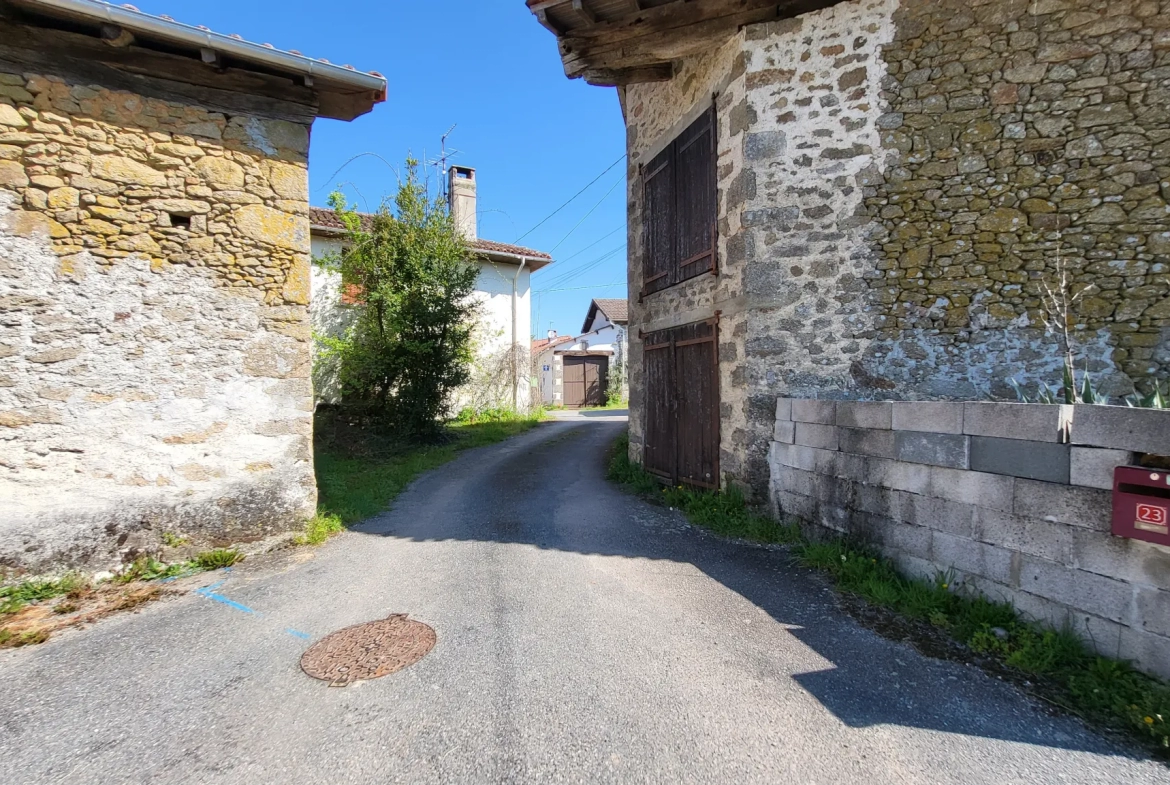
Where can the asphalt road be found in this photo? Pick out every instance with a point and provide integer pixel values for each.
(583, 636)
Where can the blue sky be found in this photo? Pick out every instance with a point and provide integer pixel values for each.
(534, 137)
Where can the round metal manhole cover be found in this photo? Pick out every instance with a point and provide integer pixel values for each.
(369, 650)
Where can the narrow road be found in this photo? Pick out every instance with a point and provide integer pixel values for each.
(583, 636)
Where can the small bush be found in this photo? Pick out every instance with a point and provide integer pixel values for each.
(218, 558)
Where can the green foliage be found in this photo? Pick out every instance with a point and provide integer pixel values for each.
(614, 397)
(173, 540)
(723, 512)
(1068, 392)
(218, 558)
(15, 597)
(470, 416)
(410, 345)
(356, 481)
(147, 568)
(320, 528)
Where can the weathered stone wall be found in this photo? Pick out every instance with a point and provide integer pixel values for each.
(1015, 499)
(1021, 136)
(154, 361)
(898, 181)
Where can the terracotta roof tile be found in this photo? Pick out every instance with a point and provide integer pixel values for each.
(323, 218)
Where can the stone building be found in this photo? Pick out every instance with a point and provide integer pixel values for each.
(154, 281)
(889, 184)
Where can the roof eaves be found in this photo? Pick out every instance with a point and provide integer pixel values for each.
(133, 20)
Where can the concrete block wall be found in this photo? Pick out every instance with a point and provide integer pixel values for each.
(1016, 499)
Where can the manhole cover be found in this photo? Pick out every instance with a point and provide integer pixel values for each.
(368, 651)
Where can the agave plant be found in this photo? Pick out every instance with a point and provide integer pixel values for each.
(1155, 400)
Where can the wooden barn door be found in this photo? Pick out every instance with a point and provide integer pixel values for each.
(596, 378)
(573, 382)
(682, 404)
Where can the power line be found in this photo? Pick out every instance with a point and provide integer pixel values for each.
(570, 275)
(586, 248)
(579, 288)
(591, 210)
(571, 199)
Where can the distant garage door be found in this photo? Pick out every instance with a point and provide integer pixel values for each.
(585, 380)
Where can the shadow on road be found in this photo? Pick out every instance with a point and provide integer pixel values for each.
(548, 489)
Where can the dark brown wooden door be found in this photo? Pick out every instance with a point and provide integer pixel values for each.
(682, 404)
(585, 380)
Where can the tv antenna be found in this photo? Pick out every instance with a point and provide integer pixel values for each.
(440, 163)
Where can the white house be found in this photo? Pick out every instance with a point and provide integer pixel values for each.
(500, 375)
(576, 372)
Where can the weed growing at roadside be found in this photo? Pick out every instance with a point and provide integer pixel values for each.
(15, 597)
(218, 558)
(319, 528)
(724, 512)
(148, 568)
(172, 540)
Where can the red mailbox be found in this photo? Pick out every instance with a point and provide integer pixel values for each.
(1141, 504)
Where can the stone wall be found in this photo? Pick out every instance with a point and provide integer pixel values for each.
(1020, 137)
(1014, 498)
(899, 179)
(154, 361)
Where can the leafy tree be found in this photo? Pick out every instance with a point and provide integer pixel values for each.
(409, 347)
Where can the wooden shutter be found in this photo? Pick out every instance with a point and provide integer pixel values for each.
(658, 222)
(679, 208)
(695, 198)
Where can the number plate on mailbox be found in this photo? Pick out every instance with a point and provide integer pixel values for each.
(1141, 504)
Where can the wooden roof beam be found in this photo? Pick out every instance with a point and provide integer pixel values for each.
(620, 77)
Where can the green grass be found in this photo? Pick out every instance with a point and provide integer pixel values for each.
(357, 484)
(724, 513)
(1107, 692)
(218, 559)
(17, 596)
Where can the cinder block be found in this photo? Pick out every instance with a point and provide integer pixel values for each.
(1124, 559)
(912, 477)
(1077, 589)
(1090, 508)
(993, 491)
(1122, 428)
(1093, 467)
(1041, 609)
(903, 538)
(816, 435)
(863, 441)
(792, 456)
(785, 431)
(796, 481)
(1020, 458)
(852, 467)
(865, 414)
(1150, 652)
(874, 499)
(952, 517)
(836, 492)
(912, 566)
(794, 505)
(1050, 541)
(811, 410)
(1037, 422)
(1102, 635)
(936, 449)
(783, 408)
(929, 416)
(1151, 610)
(973, 558)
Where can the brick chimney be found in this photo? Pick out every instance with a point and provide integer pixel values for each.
(461, 199)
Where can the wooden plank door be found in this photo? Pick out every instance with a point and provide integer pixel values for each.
(573, 382)
(682, 404)
(595, 380)
(659, 430)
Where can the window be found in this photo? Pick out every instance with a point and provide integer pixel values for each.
(679, 208)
